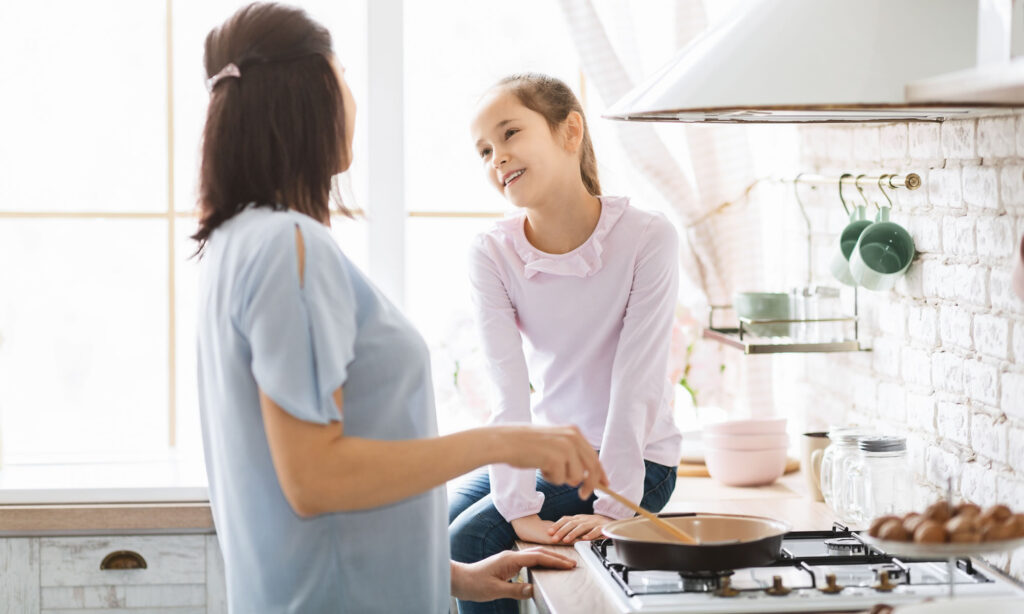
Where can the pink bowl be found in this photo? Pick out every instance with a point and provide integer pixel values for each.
(746, 442)
(747, 427)
(1018, 272)
(745, 467)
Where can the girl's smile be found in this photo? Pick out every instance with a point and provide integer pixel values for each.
(511, 177)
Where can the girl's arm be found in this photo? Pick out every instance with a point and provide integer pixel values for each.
(321, 470)
(514, 491)
(639, 383)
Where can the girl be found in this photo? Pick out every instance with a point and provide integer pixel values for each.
(589, 283)
(317, 411)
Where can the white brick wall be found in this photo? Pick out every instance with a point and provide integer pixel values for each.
(996, 237)
(947, 366)
(981, 186)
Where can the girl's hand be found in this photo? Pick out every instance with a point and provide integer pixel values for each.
(533, 529)
(569, 529)
(489, 579)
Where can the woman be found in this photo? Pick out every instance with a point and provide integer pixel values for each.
(318, 420)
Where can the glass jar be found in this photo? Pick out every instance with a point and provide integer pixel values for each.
(798, 300)
(879, 481)
(835, 463)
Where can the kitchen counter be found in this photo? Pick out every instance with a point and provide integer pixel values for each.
(567, 592)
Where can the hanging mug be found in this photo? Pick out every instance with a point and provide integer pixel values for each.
(840, 265)
(882, 255)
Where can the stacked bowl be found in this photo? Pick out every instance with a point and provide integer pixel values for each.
(746, 452)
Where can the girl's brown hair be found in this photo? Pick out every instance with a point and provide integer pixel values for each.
(553, 99)
(276, 135)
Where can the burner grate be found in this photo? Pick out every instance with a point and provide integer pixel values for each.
(804, 552)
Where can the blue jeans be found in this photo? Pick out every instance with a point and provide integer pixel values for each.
(477, 530)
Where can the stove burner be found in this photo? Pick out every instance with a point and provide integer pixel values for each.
(704, 581)
(846, 546)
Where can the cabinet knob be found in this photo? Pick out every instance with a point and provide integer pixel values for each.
(123, 559)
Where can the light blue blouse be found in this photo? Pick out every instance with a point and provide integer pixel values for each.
(259, 328)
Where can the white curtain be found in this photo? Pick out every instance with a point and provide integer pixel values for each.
(694, 169)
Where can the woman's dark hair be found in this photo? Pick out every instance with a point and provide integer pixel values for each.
(276, 134)
(553, 99)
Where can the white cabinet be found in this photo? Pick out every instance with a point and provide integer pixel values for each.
(128, 574)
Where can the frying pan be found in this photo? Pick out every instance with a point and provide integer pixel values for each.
(728, 541)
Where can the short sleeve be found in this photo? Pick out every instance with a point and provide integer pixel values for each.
(301, 332)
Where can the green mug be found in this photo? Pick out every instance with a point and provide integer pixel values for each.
(840, 265)
(882, 255)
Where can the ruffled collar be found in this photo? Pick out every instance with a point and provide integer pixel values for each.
(583, 261)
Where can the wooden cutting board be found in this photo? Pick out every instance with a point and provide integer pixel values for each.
(700, 470)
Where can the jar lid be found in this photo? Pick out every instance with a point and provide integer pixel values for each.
(849, 436)
(885, 443)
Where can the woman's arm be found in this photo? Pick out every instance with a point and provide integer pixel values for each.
(321, 470)
(640, 366)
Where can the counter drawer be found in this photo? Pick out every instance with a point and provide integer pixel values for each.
(130, 560)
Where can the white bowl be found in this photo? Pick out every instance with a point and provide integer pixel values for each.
(747, 427)
(745, 467)
(730, 441)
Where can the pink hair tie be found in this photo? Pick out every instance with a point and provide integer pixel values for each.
(231, 70)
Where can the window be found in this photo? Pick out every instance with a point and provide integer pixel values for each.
(454, 51)
(99, 163)
(98, 187)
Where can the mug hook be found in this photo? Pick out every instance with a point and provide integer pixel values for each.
(807, 222)
(856, 184)
(841, 199)
(882, 189)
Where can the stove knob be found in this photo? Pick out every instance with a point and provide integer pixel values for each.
(884, 584)
(832, 588)
(777, 589)
(726, 589)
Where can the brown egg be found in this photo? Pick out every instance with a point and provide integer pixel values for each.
(997, 512)
(877, 523)
(930, 532)
(892, 530)
(967, 508)
(912, 521)
(962, 524)
(999, 530)
(965, 537)
(939, 511)
(1018, 520)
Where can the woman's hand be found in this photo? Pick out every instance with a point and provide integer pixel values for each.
(533, 529)
(561, 453)
(570, 529)
(489, 579)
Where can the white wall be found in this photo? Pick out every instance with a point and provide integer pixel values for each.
(948, 362)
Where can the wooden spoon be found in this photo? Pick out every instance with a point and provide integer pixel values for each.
(658, 523)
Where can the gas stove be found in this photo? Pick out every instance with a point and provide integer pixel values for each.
(819, 571)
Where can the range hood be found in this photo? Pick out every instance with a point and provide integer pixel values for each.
(794, 61)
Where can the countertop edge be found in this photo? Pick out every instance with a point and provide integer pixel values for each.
(105, 519)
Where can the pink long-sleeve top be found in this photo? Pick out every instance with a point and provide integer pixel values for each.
(590, 330)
